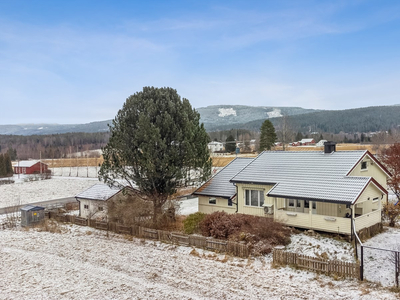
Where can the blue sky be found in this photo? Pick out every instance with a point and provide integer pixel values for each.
(77, 61)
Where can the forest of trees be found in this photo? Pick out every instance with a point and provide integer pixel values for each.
(51, 146)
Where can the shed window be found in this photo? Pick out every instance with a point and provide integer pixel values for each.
(254, 198)
(291, 203)
(306, 204)
(229, 202)
(363, 165)
(100, 208)
(212, 201)
(86, 206)
(375, 199)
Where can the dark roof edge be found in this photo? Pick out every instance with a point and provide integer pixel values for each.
(252, 182)
(214, 195)
(311, 199)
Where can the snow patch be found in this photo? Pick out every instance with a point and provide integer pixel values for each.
(224, 112)
(275, 113)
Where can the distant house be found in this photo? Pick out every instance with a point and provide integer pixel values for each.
(93, 201)
(30, 167)
(305, 142)
(320, 190)
(321, 143)
(215, 146)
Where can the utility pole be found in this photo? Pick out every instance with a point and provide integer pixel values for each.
(40, 161)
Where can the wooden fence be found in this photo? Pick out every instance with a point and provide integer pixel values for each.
(316, 264)
(176, 238)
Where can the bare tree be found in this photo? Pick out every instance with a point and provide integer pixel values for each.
(285, 131)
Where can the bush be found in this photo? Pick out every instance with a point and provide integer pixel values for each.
(391, 212)
(191, 223)
(261, 234)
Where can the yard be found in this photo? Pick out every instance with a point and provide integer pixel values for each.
(83, 263)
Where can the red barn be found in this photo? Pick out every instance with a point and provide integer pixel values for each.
(30, 167)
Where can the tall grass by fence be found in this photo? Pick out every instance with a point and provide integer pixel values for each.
(341, 268)
(233, 248)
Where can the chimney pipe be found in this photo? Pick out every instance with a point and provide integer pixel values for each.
(329, 147)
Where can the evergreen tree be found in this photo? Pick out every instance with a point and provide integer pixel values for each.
(299, 136)
(12, 153)
(8, 165)
(3, 171)
(155, 141)
(268, 136)
(230, 144)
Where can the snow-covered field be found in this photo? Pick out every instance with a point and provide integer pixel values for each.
(83, 263)
(22, 192)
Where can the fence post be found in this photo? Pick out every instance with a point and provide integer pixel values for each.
(362, 264)
(396, 261)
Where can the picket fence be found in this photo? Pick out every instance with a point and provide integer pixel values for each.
(221, 246)
(316, 264)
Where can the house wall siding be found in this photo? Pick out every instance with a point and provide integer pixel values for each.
(250, 210)
(93, 207)
(221, 205)
(365, 203)
(373, 170)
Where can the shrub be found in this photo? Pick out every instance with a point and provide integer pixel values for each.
(191, 223)
(391, 211)
(261, 234)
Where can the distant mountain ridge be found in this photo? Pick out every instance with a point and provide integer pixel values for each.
(225, 117)
(220, 115)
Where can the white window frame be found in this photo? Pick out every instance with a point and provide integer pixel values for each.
(260, 192)
(364, 163)
(210, 200)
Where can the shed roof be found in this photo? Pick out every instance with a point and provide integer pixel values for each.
(306, 140)
(220, 185)
(307, 175)
(32, 208)
(27, 163)
(101, 192)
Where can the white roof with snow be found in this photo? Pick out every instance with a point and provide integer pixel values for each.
(99, 192)
(26, 163)
(306, 141)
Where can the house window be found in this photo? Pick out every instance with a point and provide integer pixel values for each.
(363, 165)
(306, 204)
(229, 202)
(314, 205)
(212, 201)
(299, 203)
(375, 199)
(86, 206)
(254, 198)
(100, 208)
(291, 203)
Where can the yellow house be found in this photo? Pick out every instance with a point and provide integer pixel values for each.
(314, 190)
(218, 194)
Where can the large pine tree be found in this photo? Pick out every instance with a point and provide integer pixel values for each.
(156, 140)
(268, 136)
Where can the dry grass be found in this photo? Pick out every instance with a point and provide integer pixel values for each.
(222, 161)
(73, 162)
